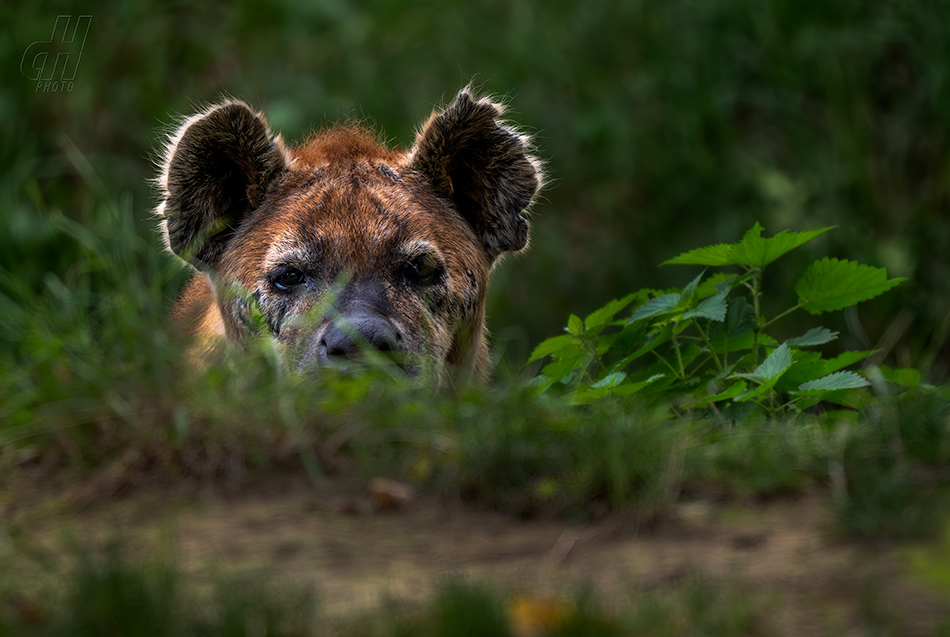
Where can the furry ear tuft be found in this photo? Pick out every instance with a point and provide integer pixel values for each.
(217, 169)
(482, 167)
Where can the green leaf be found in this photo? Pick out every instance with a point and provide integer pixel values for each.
(731, 392)
(903, 377)
(717, 255)
(690, 289)
(740, 319)
(658, 339)
(575, 325)
(627, 339)
(656, 306)
(807, 366)
(755, 251)
(776, 363)
(565, 369)
(814, 336)
(804, 400)
(713, 308)
(626, 389)
(843, 360)
(719, 282)
(830, 284)
(609, 380)
(601, 317)
(752, 250)
(552, 345)
(834, 382)
(755, 392)
(740, 343)
(772, 367)
(586, 396)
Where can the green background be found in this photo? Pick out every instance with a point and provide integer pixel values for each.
(664, 125)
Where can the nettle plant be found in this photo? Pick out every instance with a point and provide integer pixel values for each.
(706, 345)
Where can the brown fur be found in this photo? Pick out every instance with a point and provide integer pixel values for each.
(403, 242)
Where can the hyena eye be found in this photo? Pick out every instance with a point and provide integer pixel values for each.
(288, 278)
(424, 269)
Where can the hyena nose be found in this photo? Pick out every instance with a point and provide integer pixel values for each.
(374, 330)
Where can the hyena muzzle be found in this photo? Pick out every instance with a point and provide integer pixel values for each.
(340, 244)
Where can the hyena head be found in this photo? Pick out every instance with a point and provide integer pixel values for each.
(340, 244)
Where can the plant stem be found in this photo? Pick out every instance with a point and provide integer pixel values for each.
(757, 330)
(667, 363)
(785, 313)
(595, 359)
(679, 355)
(708, 343)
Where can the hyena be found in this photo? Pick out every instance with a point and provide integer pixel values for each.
(341, 244)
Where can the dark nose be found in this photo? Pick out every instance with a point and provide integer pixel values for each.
(372, 331)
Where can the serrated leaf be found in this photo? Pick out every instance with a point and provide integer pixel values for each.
(814, 336)
(772, 367)
(574, 324)
(834, 382)
(713, 308)
(586, 396)
(756, 251)
(843, 360)
(807, 366)
(830, 284)
(731, 392)
(752, 250)
(740, 319)
(740, 343)
(804, 400)
(715, 255)
(690, 288)
(658, 339)
(601, 317)
(609, 380)
(552, 345)
(565, 369)
(759, 390)
(718, 282)
(656, 306)
(627, 339)
(775, 363)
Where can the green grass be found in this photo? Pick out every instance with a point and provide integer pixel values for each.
(105, 593)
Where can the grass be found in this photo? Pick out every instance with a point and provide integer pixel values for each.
(105, 593)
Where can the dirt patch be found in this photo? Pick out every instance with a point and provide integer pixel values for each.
(330, 540)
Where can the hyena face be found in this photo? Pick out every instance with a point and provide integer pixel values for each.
(340, 244)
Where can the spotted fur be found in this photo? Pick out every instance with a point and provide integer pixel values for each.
(341, 243)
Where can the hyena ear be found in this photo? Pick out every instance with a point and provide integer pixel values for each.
(482, 167)
(217, 169)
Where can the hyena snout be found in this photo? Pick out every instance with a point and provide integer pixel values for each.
(359, 330)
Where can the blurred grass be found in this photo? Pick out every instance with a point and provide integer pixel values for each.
(103, 591)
